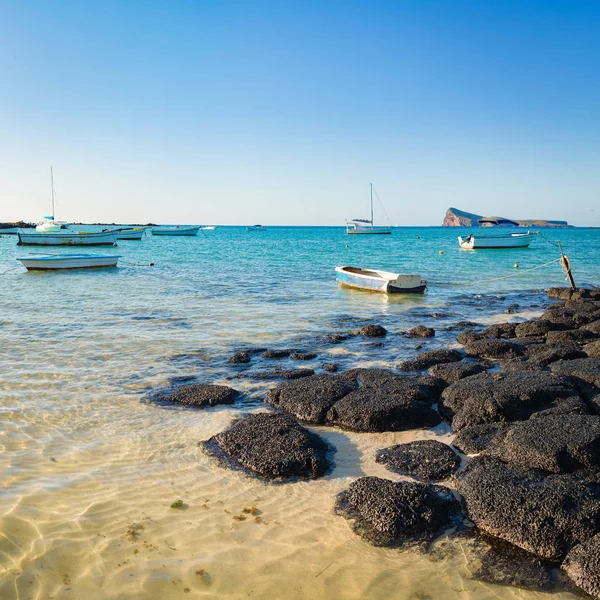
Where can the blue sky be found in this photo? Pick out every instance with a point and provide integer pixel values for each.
(283, 112)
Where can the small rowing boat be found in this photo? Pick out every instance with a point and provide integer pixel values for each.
(177, 230)
(506, 240)
(103, 238)
(380, 281)
(130, 233)
(54, 262)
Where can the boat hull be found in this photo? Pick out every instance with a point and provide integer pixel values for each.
(9, 230)
(516, 240)
(380, 281)
(107, 238)
(131, 234)
(188, 231)
(56, 262)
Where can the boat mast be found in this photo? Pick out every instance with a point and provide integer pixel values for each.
(371, 204)
(52, 186)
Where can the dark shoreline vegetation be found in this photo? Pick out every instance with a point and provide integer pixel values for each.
(518, 489)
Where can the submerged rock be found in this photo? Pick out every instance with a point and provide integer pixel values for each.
(372, 331)
(330, 367)
(276, 354)
(543, 514)
(421, 331)
(301, 355)
(582, 565)
(490, 397)
(427, 460)
(428, 359)
(240, 358)
(202, 395)
(396, 514)
(274, 446)
(456, 371)
(462, 325)
(559, 443)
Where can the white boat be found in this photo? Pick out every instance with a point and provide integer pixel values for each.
(52, 262)
(209, 228)
(49, 225)
(507, 240)
(130, 233)
(256, 228)
(103, 238)
(177, 230)
(380, 281)
(366, 226)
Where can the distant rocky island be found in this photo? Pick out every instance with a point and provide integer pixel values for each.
(460, 218)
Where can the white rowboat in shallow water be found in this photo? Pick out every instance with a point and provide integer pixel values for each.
(54, 262)
(507, 240)
(175, 230)
(380, 281)
(103, 238)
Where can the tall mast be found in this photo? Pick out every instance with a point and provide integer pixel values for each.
(52, 186)
(371, 203)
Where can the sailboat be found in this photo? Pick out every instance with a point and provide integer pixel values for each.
(49, 225)
(366, 226)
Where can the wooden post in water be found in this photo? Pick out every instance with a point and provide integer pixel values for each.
(566, 263)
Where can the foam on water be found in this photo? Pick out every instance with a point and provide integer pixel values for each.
(89, 472)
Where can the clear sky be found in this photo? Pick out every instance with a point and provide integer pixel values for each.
(282, 112)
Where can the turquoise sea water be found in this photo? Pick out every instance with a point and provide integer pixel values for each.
(82, 458)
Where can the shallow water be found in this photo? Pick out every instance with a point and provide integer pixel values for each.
(89, 471)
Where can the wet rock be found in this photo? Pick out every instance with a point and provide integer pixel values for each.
(569, 335)
(593, 327)
(592, 349)
(493, 348)
(473, 439)
(262, 375)
(427, 460)
(337, 338)
(461, 326)
(585, 369)
(202, 395)
(240, 358)
(500, 330)
(582, 565)
(421, 331)
(543, 514)
(276, 354)
(309, 399)
(372, 331)
(560, 443)
(456, 371)
(362, 400)
(396, 514)
(490, 397)
(273, 446)
(560, 293)
(300, 355)
(519, 365)
(468, 336)
(330, 367)
(532, 328)
(428, 359)
(296, 373)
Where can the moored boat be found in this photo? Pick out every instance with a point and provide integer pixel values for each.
(9, 230)
(177, 230)
(256, 228)
(209, 228)
(366, 226)
(48, 224)
(380, 281)
(53, 262)
(130, 233)
(508, 240)
(103, 238)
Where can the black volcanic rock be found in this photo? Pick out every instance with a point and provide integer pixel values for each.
(585, 369)
(276, 353)
(556, 443)
(500, 330)
(520, 365)
(532, 328)
(545, 514)
(372, 331)
(569, 335)
(240, 358)
(545, 354)
(493, 348)
(456, 371)
(202, 395)
(475, 438)
(582, 565)
(302, 355)
(421, 331)
(593, 327)
(396, 514)
(274, 446)
(490, 397)
(427, 460)
(428, 359)
(592, 349)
